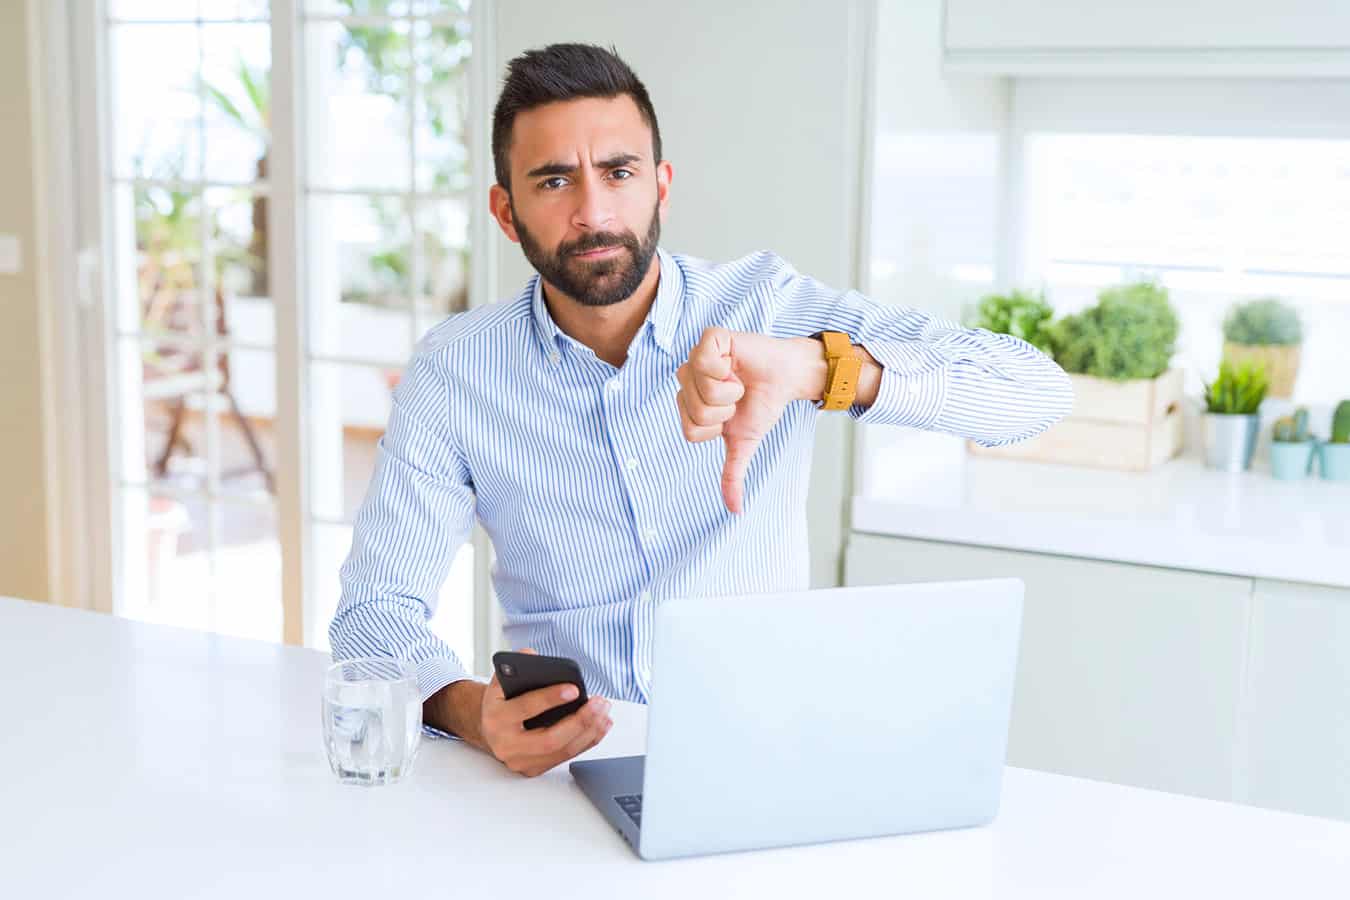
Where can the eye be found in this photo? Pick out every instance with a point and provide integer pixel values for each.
(548, 183)
(624, 172)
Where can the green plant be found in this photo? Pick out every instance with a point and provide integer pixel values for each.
(253, 115)
(1019, 314)
(1291, 429)
(1130, 333)
(1262, 323)
(1238, 390)
(1340, 423)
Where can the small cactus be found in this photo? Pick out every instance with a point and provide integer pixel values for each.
(1340, 423)
(1292, 429)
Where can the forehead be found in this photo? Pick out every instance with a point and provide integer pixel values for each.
(592, 127)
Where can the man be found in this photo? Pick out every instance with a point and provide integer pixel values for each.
(580, 421)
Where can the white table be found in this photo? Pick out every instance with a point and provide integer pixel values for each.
(145, 761)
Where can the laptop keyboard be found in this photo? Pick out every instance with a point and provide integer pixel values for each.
(631, 804)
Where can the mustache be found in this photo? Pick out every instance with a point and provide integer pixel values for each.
(600, 241)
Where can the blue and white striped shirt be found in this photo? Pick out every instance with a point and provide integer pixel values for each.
(597, 507)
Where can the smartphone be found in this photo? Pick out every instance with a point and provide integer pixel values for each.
(519, 673)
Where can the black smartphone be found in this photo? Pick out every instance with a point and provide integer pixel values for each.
(519, 673)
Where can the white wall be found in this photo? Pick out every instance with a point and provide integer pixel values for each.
(760, 111)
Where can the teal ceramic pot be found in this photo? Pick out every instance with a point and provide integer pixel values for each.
(1291, 460)
(1335, 461)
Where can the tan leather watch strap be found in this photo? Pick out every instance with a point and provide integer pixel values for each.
(843, 366)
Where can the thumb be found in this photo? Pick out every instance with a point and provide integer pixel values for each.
(739, 452)
(529, 650)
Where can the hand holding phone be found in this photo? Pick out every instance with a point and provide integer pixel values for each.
(536, 714)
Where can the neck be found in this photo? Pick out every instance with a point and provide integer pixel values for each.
(607, 330)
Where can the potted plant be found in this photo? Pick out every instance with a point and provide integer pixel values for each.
(1267, 331)
(1127, 401)
(1291, 447)
(1336, 452)
(1231, 420)
(1018, 313)
(1130, 334)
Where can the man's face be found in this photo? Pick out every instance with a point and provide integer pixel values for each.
(586, 198)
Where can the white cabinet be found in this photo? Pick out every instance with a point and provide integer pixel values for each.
(1212, 685)
(1297, 730)
(1148, 36)
(1127, 673)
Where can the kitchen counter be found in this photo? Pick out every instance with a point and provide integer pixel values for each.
(1180, 515)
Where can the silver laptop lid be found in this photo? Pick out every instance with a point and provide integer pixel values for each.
(794, 718)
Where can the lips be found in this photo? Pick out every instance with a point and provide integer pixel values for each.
(600, 252)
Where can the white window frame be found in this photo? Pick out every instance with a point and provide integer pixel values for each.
(68, 42)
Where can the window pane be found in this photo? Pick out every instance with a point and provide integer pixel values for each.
(1217, 220)
(239, 250)
(359, 121)
(442, 108)
(155, 106)
(236, 74)
(161, 393)
(234, 9)
(349, 408)
(160, 278)
(174, 577)
(358, 273)
(359, 7)
(443, 244)
(245, 419)
(157, 10)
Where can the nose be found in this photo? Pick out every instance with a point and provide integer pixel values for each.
(594, 211)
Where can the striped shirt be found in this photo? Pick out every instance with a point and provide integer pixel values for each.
(597, 506)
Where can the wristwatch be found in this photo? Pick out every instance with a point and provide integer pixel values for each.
(843, 366)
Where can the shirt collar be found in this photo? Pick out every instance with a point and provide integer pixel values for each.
(662, 319)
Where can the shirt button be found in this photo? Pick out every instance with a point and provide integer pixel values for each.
(644, 597)
(649, 535)
(555, 357)
(613, 385)
(631, 463)
(913, 389)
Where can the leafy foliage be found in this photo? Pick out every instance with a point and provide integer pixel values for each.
(1238, 390)
(1018, 313)
(1262, 323)
(1130, 333)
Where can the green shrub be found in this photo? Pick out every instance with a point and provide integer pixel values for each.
(1262, 323)
(1019, 314)
(1130, 333)
(1237, 390)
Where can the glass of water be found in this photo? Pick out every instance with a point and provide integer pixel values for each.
(372, 720)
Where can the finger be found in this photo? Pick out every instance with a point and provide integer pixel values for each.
(556, 737)
(532, 703)
(718, 391)
(739, 452)
(579, 743)
(712, 354)
(692, 430)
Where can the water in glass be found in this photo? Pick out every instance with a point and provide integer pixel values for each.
(372, 720)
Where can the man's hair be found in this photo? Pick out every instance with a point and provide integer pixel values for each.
(563, 72)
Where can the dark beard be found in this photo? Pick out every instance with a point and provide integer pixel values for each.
(599, 283)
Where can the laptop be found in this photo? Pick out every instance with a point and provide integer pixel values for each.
(798, 718)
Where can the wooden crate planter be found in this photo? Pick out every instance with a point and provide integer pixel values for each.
(1133, 425)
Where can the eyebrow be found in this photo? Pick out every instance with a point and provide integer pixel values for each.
(558, 168)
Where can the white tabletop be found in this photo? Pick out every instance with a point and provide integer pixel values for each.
(146, 761)
(1180, 515)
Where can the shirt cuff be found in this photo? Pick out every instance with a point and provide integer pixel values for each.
(432, 675)
(913, 386)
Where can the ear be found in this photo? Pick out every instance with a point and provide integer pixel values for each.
(499, 204)
(664, 173)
